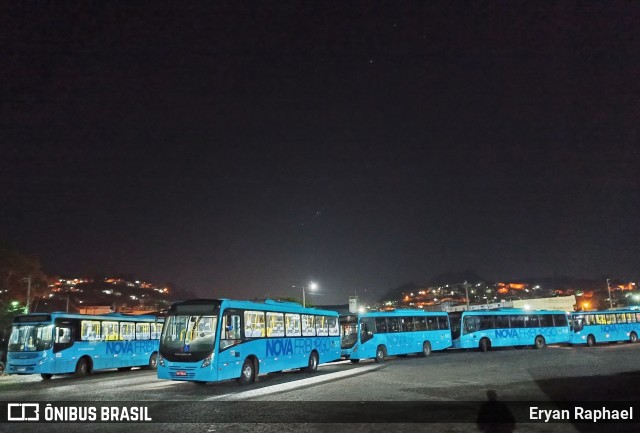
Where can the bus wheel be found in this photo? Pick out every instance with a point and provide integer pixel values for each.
(485, 345)
(381, 354)
(46, 376)
(153, 361)
(591, 340)
(540, 343)
(633, 337)
(124, 368)
(354, 361)
(1, 368)
(313, 362)
(426, 349)
(82, 368)
(248, 372)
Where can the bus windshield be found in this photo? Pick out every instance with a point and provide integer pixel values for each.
(31, 338)
(349, 334)
(190, 333)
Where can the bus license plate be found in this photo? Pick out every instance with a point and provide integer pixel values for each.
(181, 373)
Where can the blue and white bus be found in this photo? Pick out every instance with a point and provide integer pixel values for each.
(400, 332)
(220, 339)
(485, 329)
(60, 343)
(591, 327)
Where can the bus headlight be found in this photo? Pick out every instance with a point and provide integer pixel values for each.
(160, 360)
(207, 361)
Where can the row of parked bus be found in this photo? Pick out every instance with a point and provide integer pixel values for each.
(212, 340)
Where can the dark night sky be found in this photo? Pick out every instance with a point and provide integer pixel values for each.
(240, 148)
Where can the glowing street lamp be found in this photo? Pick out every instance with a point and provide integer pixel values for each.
(312, 286)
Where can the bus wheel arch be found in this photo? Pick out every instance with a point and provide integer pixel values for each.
(540, 342)
(426, 349)
(83, 366)
(381, 353)
(591, 340)
(153, 362)
(633, 337)
(485, 344)
(314, 360)
(248, 372)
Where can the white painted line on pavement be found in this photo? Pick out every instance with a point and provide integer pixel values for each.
(293, 385)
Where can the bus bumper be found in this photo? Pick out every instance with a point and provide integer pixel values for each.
(29, 363)
(186, 372)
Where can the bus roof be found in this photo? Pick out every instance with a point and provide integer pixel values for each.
(266, 305)
(402, 313)
(631, 310)
(509, 311)
(48, 317)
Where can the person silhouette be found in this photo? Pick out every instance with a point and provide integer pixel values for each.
(495, 416)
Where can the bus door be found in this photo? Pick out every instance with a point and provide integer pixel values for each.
(230, 353)
(63, 339)
(367, 331)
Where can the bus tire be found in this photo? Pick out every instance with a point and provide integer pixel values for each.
(313, 362)
(426, 349)
(153, 362)
(124, 368)
(1, 368)
(540, 343)
(354, 361)
(485, 345)
(381, 354)
(46, 376)
(633, 337)
(82, 368)
(591, 340)
(199, 382)
(247, 373)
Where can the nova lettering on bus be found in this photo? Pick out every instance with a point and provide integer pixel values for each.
(283, 346)
(506, 333)
(610, 329)
(124, 347)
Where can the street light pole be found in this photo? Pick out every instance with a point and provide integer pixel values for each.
(28, 280)
(609, 290)
(466, 289)
(312, 286)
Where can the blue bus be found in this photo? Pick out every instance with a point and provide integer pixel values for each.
(61, 343)
(485, 329)
(400, 332)
(591, 327)
(220, 339)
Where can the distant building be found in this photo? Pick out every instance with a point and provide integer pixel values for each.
(561, 303)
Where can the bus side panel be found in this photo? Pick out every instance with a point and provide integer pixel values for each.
(229, 361)
(333, 352)
(442, 340)
(368, 349)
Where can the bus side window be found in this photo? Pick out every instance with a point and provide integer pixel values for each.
(470, 324)
(63, 335)
(366, 330)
